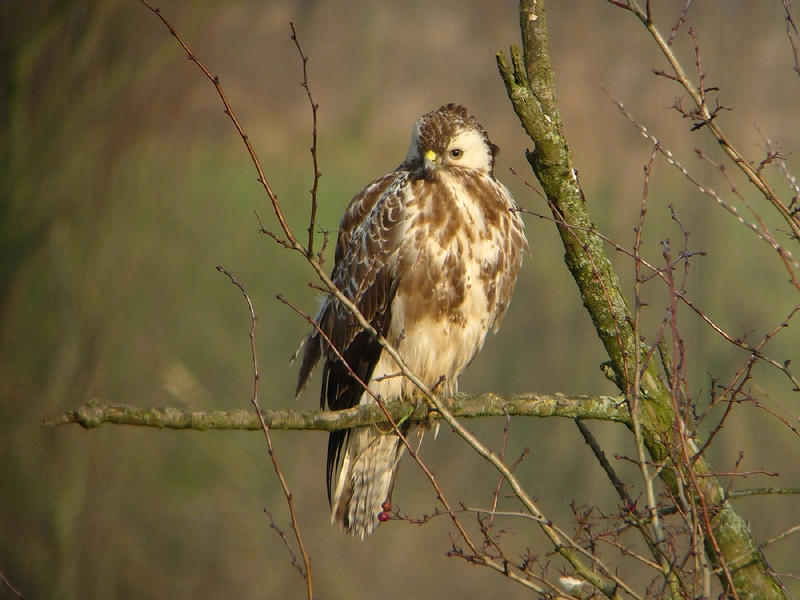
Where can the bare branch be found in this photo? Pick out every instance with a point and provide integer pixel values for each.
(793, 35)
(265, 428)
(703, 189)
(777, 538)
(6, 583)
(292, 241)
(289, 548)
(96, 412)
(530, 85)
(681, 21)
(707, 117)
(314, 107)
(762, 492)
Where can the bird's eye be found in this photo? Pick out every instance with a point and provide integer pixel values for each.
(456, 153)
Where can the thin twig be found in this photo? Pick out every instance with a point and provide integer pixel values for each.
(703, 188)
(755, 351)
(707, 118)
(777, 538)
(314, 107)
(762, 492)
(502, 456)
(635, 389)
(681, 21)
(289, 548)
(11, 587)
(785, 255)
(292, 241)
(791, 28)
(394, 424)
(265, 427)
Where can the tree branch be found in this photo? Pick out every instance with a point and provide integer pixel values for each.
(530, 83)
(706, 117)
(604, 581)
(96, 412)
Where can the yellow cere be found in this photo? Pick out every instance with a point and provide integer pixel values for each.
(430, 155)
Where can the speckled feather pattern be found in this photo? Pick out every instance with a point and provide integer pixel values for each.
(430, 254)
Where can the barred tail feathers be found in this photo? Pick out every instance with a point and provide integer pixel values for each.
(362, 478)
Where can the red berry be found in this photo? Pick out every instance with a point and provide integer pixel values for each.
(383, 516)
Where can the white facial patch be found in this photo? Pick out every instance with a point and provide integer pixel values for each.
(472, 149)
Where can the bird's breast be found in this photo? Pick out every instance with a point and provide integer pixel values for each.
(451, 254)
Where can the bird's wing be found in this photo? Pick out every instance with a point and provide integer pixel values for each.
(371, 231)
(513, 245)
(364, 272)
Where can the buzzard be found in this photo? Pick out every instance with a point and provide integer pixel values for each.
(429, 254)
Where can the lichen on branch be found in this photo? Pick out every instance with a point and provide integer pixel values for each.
(97, 412)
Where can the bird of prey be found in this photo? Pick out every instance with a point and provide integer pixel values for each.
(429, 254)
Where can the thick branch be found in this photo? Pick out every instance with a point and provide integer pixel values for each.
(530, 83)
(96, 412)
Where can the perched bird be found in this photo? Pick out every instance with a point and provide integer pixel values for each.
(429, 254)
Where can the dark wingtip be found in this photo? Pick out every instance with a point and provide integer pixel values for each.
(311, 355)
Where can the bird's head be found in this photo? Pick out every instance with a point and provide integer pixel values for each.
(449, 138)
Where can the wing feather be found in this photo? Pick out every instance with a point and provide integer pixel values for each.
(370, 233)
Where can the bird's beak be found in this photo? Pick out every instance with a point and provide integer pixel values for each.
(430, 162)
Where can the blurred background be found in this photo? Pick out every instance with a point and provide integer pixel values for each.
(123, 185)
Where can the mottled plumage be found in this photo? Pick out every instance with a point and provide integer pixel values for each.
(429, 253)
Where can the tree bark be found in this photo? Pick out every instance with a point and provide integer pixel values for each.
(530, 83)
(95, 413)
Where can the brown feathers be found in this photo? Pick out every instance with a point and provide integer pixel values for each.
(429, 254)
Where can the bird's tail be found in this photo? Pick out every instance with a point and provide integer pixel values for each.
(361, 472)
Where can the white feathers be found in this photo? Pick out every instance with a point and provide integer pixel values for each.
(472, 152)
(429, 254)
